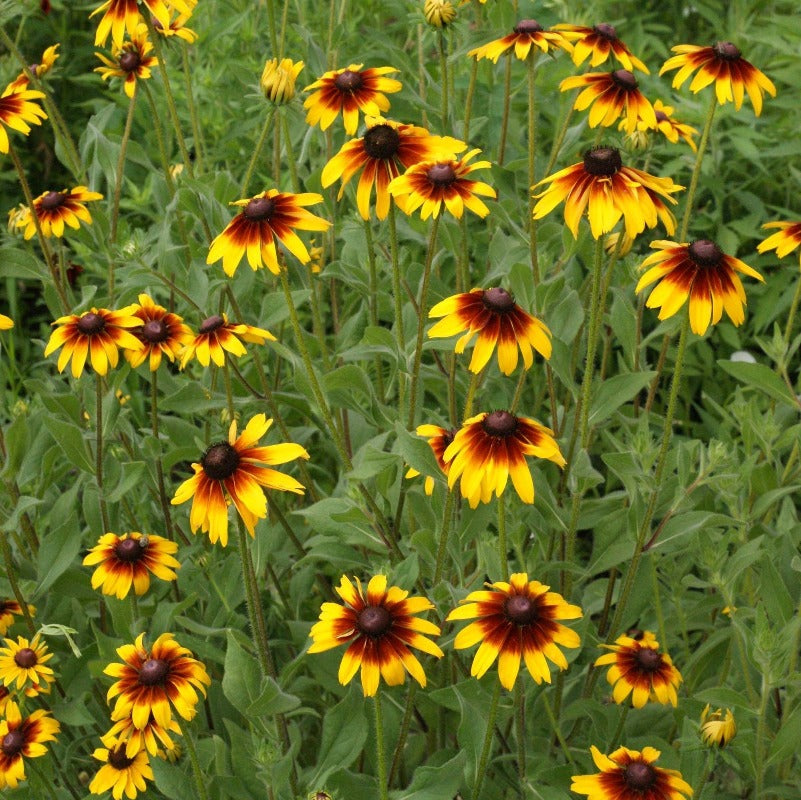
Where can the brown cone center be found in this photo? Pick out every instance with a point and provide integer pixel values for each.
(521, 610)
(528, 26)
(705, 253)
(129, 61)
(603, 161)
(118, 759)
(155, 331)
(624, 79)
(211, 324)
(606, 30)
(12, 743)
(259, 208)
(381, 141)
(90, 323)
(129, 550)
(649, 659)
(220, 461)
(441, 175)
(639, 776)
(727, 51)
(53, 200)
(500, 423)
(498, 300)
(25, 658)
(374, 621)
(661, 116)
(348, 81)
(153, 672)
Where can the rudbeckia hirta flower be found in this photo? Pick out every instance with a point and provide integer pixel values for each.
(120, 773)
(514, 620)
(127, 560)
(349, 91)
(637, 667)
(122, 15)
(528, 33)
(278, 79)
(498, 321)
(442, 181)
(231, 471)
(216, 337)
(21, 738)
(264, 218)
(130, 60)
(23, 664)
(161, 333)
(613, 95)
(631, 775)
(385, 150)
(608, 190)
(489, 448)
(149, 682)
(379, 627)
(177, 27)
(55, 209)
(10, 608)
(722, 64)
(784, 241)
(151, 736)
(39, 70)
(702, 272)
(670, 127)
(16, 110)
(438, 440)
(717, 729)
(98, 334)
(598, 43)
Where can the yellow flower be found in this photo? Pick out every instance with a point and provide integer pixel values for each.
(120, 773)
(130, 60)
(278, 79)
(23, 665)
(717, 729)
(439, 13)
(55, 209)
(16, 110)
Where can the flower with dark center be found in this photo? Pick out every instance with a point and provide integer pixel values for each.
(606, 30)
(91, 323)
(129, 560)
(349, 91)
(784, 241)
(233, 471)
(131, 61)
(604, 161)
(498, 300)
(17, 109)
(40, 69)
(631, 775)
(22, 738)
(23, 665)
(51, 200)
(8, 610)
(25, 658)
(154, 331)
(118, 759)
(598, 43)
(162, 333)
(120, 16)
(528, 26)
(525, 36)
(518, 619)
(154, 672)
(379, 626)
(13, 743)
(700, 271)
(723, 65)
(211, 324)
(54, 210)
(490, 448)
(669, 126)
(441, 174)
(438, 441)
(638, 668)
(123, 773)
(385, 150)
(217, 336)
(264, 218)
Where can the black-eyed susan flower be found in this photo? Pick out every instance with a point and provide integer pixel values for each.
(637, 667)
(385, 150)
(613, 96)
(41, 69)
(527, 34)
(439, 13)
(161, 333)
(151, 681)
(514, 620)
(177, 27)
(598, 43)
(127, 560)
(438, 441)
(608, 190)
(723, 65)
(278, 79)
(717, 729)
(54, 210)
(631, 775)
(702, 272)
(379, 626)
(21, 738)
(98, 334)
(151, 737)
(130, 60)
(784, 241)
(216, 337)
(121, 15)
(10, 608)
(231, 472)
(120, 773)
(671, 128)
(23, 664)
(17, 109)
(267, 216)
(430, 185)
(498, 321)
(490, 448)
(349, 91)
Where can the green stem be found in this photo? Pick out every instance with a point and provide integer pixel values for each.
(710, 762)
(507, 91)
(502, 548)
(688, 209)
(520, 734)
(443, 537)
(290, 154)
(759, 744)
(487, 746)
(556, 730)
(624, 712)
(408, 713)
(532, 155)
(560, 137)
(373, 301)
(788, 331)
(443, 75)
(190, 102)
(381, 755)
(475, 378)
(11, 574)
(154, 425)
(197, 772)
(118, 177)
(257, 152)
(468, 106)
(397, 298)
(99, 451)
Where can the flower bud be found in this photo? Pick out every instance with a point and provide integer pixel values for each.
(278, 79)
(439, 13)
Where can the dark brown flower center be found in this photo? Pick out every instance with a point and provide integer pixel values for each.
(13, 742)
(90, 323)
(727, 51)
(25, 658)
(661, 116)
(130, 61)
(155, 331)
(129, 550)
(649, 659)
(53, 200)
(705, 253)
(118, 759)
(624, 79)
(639, 776)
(259, 208)
(211, 324)
(441, 175)
(528, 26)
(153, 672)
(220, 461)
(348, 81)
(374, 621)
(33, 68)
(500, 423)
(498, 300)
(604, 161)
(381, 141)
(606, 30)
(521, 610)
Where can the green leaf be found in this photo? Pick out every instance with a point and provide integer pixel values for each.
(436, 783)
(759, 377)
(70, 439)
(241, 677)
(615, 392)
(273, 700)
(344, 734)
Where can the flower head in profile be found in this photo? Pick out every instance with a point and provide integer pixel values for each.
(23, 665)
(786, 239)
(177, 27)
(128, 560)
(21, 738)
(120, 773)
(598, 43)
(56, 209)
(498, 321)
(151, 737)
(723, 65)
(439, 13)
(379, 626)
(267, 216)
(123, 15)
(516, 620)
(17, 109)
(631, 775)
(41, 69)
(386, 149)
(217, 336)
(717, 728)
(96, 334)
(490, 448)
(438, 441)
(278, 79)
(130, 60)
(527, 34)
(6, 324)
(637, 667)
(668, 126)
(11, 608)
(161, 333)
(608, 190)
(701, 271)
(232, 471)
(349, 91)
(439, 182)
